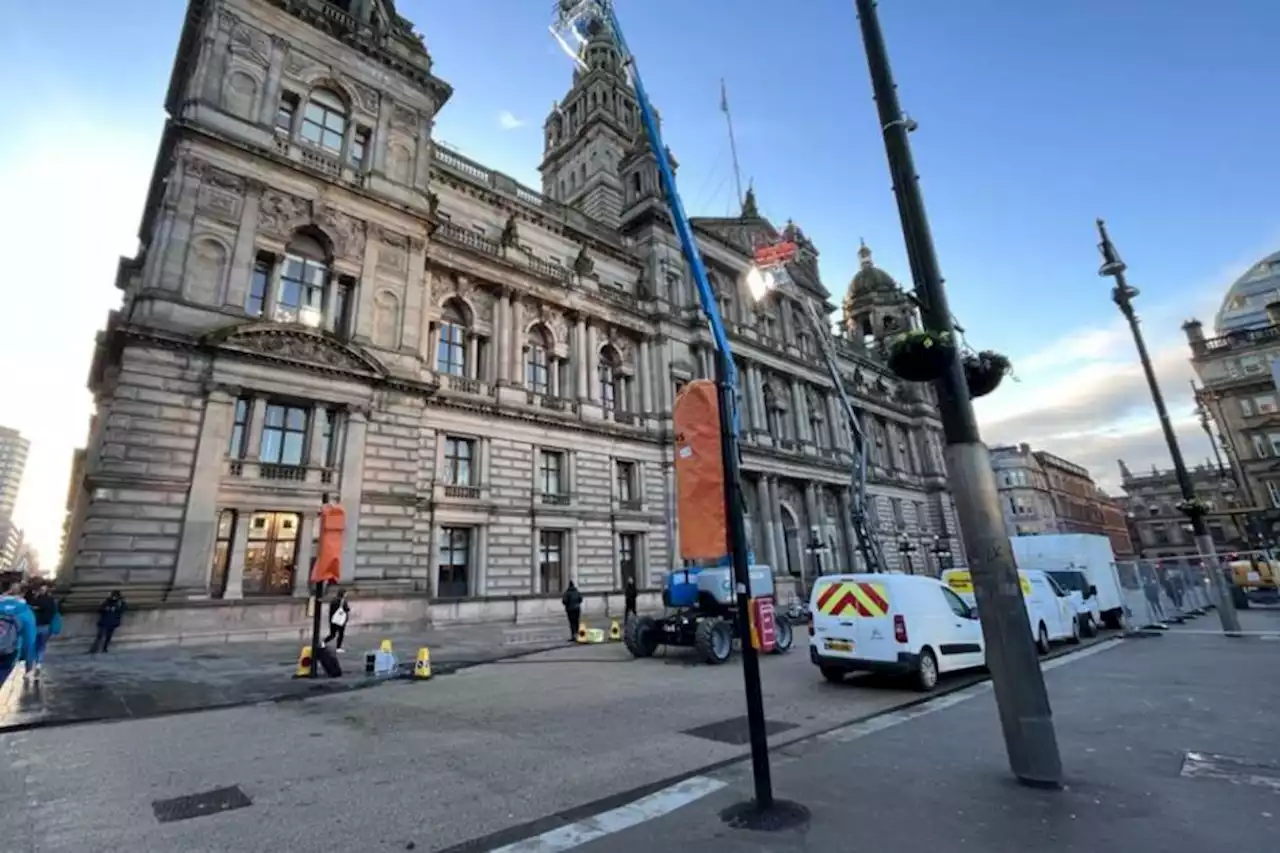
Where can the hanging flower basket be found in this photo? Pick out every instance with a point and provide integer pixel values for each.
(984, 372)
(919, 356)
(1192, 508)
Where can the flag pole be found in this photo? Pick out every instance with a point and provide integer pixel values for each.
(733, 144)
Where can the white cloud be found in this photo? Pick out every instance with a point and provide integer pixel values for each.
(73, 186)
(508, 121)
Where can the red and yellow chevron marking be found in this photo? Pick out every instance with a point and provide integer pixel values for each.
(854, 599)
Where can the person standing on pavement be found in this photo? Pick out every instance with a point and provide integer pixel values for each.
(45, 608)
(572, 601)
(630, 594)
(110, 615)
(339, 616)
(17, 631)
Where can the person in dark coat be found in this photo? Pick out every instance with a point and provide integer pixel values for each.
(572, 601)
(339, 616)
(630, 594)
(110, 615)
(45, 608)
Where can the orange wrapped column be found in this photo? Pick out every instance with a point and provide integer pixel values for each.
(704, 531)
(333, 524)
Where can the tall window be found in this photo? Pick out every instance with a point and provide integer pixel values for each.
(458, 453)
(324, 121)
(341, 310)
(536, 373)
(608, 370)
(627, 550)
(331, 437)
(239, 428)
(259, 282)
(359, 147)
(454, 563)
(285, 112)
(551, 560)
(625, 475)
(451, 356)
(222, 552)
(269, 558)
(302, 287)
(284, 435)
(550, 472)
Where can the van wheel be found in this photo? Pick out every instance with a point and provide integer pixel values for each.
(1075, 630)
(1089, 628)
(1042, 640)
(833, 674)
(1113, 619)
(926, 671)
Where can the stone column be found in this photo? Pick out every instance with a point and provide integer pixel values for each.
(503, 334)
(257, 419)
(798, 404)
(516, 374)
(764, 520)
(273, 289)
(315, 437)
(242, 258)
(839, 426)
(414, 294)
(473, 353)
(200, 522)
(580, 356)
(554, 366)
(593, 362)
(239, 547)
(845, 501)
(645, 377)
(785, 318)
(351, 487)
(422, 164)
(307, 530)
(775, 525)
(666, 393)
(380, 134)
(271, 91)
(217, 67)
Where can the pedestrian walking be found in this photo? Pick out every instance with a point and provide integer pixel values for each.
(17, 631)
(1151, 589)
(629, 594)
(339, 616)
(110, 615)
(48, 624)
(572, 601)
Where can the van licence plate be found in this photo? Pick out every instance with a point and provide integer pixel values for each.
(839, 645)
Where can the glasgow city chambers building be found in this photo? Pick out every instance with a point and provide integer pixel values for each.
(327, 303)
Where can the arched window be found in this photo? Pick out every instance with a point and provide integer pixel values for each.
(302, 282)
(324, 121)
(537, 371)
(610, 399)
(451, 354)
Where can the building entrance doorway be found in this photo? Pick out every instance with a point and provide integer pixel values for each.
(271, 554)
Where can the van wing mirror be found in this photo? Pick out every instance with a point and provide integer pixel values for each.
(1093, 590)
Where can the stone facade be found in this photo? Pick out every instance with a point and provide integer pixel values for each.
(326, 303)
(1161, 530)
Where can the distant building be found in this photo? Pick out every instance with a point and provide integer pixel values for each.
(1161, 530)
(11, 541)
(13, 461)
(1042, 493)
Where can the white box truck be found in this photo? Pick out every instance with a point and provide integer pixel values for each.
(1083, 552)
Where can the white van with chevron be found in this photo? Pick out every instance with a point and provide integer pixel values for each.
(898, 624)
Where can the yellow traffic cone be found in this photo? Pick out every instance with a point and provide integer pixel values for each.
(422, 666)
(304, 663)
(615, 631)
(582, 632)
(386, 646)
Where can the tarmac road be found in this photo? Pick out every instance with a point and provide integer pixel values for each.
(429, 764)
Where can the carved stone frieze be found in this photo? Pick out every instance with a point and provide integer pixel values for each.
(403, 118)
(298, 64)
(280, 213)
(302, 346)
(251, 41)
(393, 250)
(346, 232)
(221, 194)
(366, 96)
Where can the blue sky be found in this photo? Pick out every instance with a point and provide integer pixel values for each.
(1034, 119)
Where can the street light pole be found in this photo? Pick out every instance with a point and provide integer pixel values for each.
(1025, 716)
(1122, 294)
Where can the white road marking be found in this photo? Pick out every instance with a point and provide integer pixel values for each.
(624, 817)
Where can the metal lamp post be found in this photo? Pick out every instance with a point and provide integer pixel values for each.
(906, 547)
(941, 553)
(1122, 294)
(1025, 716)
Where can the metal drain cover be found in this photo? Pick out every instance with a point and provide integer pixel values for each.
(1228, 768)
(197, 805)
(735, 732)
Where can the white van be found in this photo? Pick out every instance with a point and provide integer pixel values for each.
(1084, 552)
(1050, 609)
(901, 624)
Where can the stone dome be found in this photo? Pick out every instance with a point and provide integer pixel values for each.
(869, 279)
(1245, 304)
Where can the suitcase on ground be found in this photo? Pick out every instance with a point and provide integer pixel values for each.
(329, 662)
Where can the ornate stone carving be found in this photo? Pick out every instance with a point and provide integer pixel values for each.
(346, 232)
(510, 233)
(304, 346)
(403, 118)
(252, 41)
(221, 194)
(417, 245)
(583, 265)
(366, 97)
(298, 64)
(393, 249)
(281, 213)
(433, 204)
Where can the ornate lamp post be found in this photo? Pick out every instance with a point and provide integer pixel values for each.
(906, 548)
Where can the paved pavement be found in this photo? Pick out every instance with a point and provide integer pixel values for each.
(132, 683)
(1169, 743)
(488, 750)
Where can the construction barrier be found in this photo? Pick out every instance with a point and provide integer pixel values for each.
(615, 631)
(304, 663)
(422, 666)
(1161, 592)
(595, 635)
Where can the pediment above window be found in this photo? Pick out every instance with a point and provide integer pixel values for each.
(300, 346)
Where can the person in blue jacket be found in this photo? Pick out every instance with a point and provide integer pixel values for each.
(17, 631)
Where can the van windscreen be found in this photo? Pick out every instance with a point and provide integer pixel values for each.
(1070, 581)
